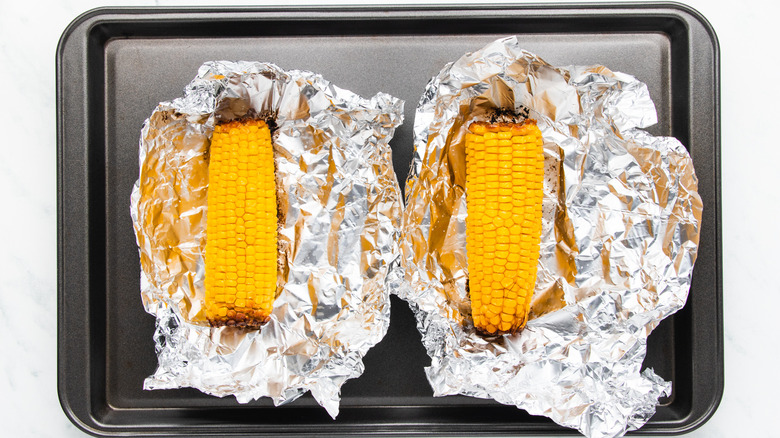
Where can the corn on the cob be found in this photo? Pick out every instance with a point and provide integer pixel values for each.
(504, 176)
(241, 252)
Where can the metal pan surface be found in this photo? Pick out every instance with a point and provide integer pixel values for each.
(115, 65)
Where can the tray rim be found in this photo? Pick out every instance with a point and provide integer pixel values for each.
(100, 15)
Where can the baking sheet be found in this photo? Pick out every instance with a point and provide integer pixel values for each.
(108, 81)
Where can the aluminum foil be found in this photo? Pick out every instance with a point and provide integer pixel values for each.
(339, 237)
(621, 219)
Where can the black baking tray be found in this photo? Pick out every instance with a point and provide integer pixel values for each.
(115, 65)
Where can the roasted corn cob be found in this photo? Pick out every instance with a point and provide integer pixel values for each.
(504, 176)
(241, 252)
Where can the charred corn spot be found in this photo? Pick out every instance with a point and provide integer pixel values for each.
(504, 175)
(241, 225)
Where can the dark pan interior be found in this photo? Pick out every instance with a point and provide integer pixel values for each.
(114, 66)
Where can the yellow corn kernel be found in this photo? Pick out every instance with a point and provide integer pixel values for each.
(241, 225)
(504, 222)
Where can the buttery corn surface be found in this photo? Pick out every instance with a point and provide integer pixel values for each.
(241, 250)
(504, 176)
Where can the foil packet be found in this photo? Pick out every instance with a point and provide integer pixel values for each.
(621, 218)
(339, 238)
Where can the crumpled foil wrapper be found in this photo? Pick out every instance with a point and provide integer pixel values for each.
(339, 239)
(621, 219)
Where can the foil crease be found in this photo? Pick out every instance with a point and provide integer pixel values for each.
(339, 238)
(621, 217)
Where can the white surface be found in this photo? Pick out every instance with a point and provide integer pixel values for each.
(29, 32)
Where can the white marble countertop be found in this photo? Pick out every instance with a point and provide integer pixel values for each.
(29, 33)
